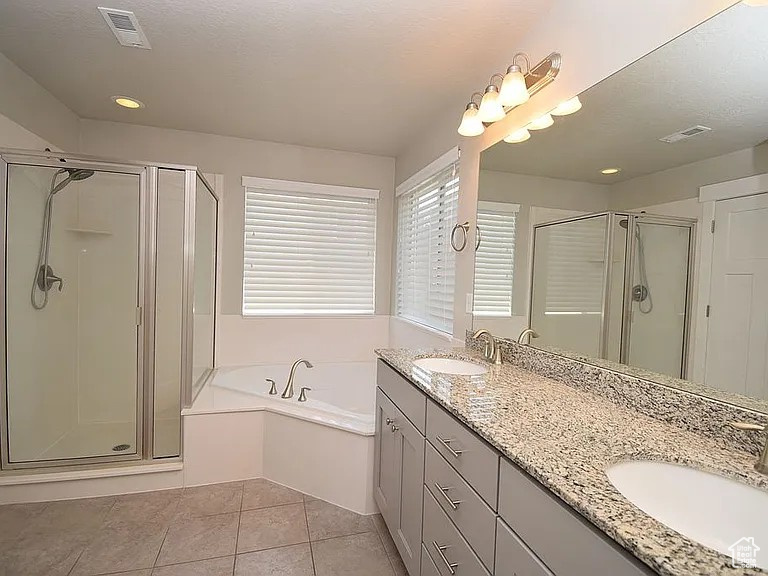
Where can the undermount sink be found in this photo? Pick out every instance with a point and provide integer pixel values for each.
(451, 366)
(715, 511)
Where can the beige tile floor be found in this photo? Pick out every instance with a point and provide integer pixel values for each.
(251, 528)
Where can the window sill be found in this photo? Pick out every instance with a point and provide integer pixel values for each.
(424, 328)
(308, 316)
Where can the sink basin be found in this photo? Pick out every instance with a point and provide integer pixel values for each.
(713, 510)
(451, 366)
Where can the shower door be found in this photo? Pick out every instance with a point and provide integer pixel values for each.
(657, 294)
(73, 301)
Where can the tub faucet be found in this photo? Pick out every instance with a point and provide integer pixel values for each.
(288, 392)
(762, 462)
(492, 352)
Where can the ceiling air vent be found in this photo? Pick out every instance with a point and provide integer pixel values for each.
(125, 27)
(683, 134)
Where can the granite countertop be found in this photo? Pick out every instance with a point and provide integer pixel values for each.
(566, 438)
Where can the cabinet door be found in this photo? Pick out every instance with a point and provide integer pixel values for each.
(385, 469)
(409, 454)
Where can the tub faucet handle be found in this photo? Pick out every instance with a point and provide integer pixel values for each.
(272, 387)
(303, 394)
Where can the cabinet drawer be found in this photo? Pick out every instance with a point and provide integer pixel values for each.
(477, 462)
(472, 516)
(428, 567)
(513, 558)
(450, 552)
(562, 539)
(406, 397)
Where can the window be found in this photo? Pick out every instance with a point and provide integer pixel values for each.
(309, 249)
(575, 267)
(495, 258)
(426, 214)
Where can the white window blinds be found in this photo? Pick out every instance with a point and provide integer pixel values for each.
(426, 214)
(575, 266)
(495, 258)
(309, 249)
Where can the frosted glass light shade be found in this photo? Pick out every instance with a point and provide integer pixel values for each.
(491, 109)
(540, 123)
(471, 125)
(517, 136)
(513, 89)
(568, 107)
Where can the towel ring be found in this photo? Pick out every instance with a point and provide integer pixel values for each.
(465, 229)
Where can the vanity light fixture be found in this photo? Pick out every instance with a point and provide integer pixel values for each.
(471, 125)
(505, 91)
(127, 102)
(609, 171)
(541, 122)
(518, 136)
(567, 107)
(514, 90)
(491, 109)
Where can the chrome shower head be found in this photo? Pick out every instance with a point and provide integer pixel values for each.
(77, 174)
(73, 175)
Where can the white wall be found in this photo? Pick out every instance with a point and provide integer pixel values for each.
(26, 103)
(684, 181)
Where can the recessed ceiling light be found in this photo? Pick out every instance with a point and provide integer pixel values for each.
(126, 102)
(609, 171)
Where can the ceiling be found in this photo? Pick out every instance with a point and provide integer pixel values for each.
(350, 75)
(715, 75)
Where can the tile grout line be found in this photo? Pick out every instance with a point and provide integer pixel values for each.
(309, 538)
(386, 552)
(239, 521)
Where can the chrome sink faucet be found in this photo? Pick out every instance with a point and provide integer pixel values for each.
(762, 462)
(492, 352)
(288, 392)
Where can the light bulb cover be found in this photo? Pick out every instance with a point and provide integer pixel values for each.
(567, 107)
(513, 91)
(471, 125)
(127, 102)
(491, 109)
(542, 122)
(518, 136)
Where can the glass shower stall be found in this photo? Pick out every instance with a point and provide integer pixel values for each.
(615, 286)
(108, 300)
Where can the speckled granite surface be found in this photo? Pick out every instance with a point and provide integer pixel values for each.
(566, 437)
(682, 407)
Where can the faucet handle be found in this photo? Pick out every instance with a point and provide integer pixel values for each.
(747, 426)
(273, 387)
(303, 394)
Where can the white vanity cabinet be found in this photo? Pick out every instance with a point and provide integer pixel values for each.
(456, 507)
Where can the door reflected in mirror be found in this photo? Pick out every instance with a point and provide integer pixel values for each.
(633, 234)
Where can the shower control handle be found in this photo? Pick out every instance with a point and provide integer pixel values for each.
(46, 279)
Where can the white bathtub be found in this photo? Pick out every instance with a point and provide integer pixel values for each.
(342, 395)
(322, 447)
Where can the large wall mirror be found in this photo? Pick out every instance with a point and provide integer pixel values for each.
(593, 232)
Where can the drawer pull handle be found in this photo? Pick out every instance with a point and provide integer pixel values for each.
(446, 442)
(444, 492)
(441, 551)
(395, 428)
(390, 421)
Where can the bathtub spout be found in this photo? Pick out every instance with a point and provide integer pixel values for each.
(288, 392)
